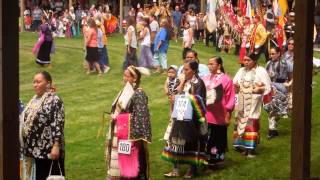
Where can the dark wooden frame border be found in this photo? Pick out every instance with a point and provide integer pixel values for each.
(9, 90)
(9, 63)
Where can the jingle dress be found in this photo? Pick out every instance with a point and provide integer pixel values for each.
(248, 106)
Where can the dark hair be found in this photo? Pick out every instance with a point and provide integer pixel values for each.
(194, 65)
(277, 49)
(46, 76)
(218, 59)
(253, 56)
(194, 53)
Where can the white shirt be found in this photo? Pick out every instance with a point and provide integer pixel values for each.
(186, 38)
(259, 75)
(146, 40)
(154, 26)
(192, 21)
(133, 38)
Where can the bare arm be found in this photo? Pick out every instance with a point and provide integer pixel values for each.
(166, 90)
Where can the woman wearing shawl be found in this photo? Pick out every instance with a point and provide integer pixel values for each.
(187, 139)
(251, 83)
(280, 72)
(129, 131)
(43, 47)
(220, 104)
(42, 129)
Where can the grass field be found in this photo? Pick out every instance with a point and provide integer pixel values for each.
(87, 96)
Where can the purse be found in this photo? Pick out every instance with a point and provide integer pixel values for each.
(55, 177)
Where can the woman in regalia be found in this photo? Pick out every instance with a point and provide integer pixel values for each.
(251, 82)
(129, 131)
(188, 135)
(220, 104)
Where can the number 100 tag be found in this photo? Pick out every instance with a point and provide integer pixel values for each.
(124, 147)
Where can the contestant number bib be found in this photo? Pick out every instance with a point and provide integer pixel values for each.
(182, 105)
(236, 99)
(124, 147)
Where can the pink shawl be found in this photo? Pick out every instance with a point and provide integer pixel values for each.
(36, 47)
(128, 164)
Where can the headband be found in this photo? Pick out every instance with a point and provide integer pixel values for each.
(132, 69)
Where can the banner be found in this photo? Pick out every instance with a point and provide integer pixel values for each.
(211, 21)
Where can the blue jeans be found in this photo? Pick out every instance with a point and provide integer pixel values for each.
(103, 57)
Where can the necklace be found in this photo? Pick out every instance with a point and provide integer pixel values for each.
(32, 108)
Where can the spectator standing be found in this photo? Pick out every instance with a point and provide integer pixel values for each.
(288, 55)
(192, 19)
(131, 44)
(201, 26)
(290, 26)
(154, 28)
(78, 20)
(176, 19)
(36, 14)
(102, 50)
(43, 128)
(59, 6)
(27, 20)
(146, 57)
(91, 39)
(188, 41)
(161, 45)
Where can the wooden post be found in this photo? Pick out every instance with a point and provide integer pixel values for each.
(9, 90)
(121, 15)
(202, 6)
(302, 91)
(22, 8)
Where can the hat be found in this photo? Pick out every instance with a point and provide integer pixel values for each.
(292, 14)
(174, 67)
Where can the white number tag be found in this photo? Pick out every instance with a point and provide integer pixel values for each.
(182, 105)
(124, 147)
(236, 99)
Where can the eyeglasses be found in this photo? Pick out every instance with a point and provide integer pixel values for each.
(290, 43)
(272, 53)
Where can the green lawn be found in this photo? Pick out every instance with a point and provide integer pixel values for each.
(87, 96)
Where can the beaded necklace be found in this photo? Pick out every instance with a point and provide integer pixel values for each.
(33, 108)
